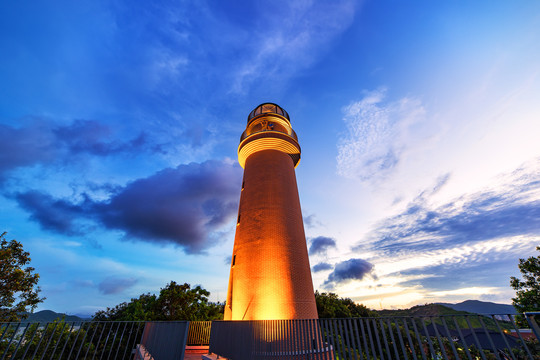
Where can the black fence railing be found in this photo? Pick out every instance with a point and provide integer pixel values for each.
(163, 340)
(426, 337)
(93, 340)
(70, 340)
(430, 337)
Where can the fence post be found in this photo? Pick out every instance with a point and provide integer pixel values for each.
(532, 323)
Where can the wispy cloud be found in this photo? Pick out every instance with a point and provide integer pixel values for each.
(378, 132)
(464, 255)
(115, 285)
(475, 290)
(289, 38)
(430, 243)
(510, 209)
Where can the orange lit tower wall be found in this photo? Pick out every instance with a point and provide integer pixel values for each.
(270, 276)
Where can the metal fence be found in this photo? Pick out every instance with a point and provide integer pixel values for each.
(155, 340)
(199, 333)
(163, 340)
(70, 340)
(431, 337)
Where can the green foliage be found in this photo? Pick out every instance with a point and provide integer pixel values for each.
(180, 302)
(527, 290)
(18, 284)
(141, 309)
(175, 302)
(330, 306)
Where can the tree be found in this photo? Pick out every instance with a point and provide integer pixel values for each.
(18, 284)
(330, 305)
(141, 309)
(175, 302)
(180, 302)
(527, 290)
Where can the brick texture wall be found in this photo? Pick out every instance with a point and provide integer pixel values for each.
(271, 276)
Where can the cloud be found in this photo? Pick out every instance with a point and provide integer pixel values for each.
(86, 136)
(345, 271)
(378, 133)
(83, 283)
(474, 290)
(311, 221)
(454, 260)
(115, 285)
(287, 38)
(321, 267)
(42, 142)
(55, 215)
(181, 206)
(321, 244)
(26, 146)
(510, 209)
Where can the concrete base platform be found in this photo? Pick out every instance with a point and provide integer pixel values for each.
(212, 357)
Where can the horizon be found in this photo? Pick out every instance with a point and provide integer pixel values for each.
(418, 122)
(86, 316)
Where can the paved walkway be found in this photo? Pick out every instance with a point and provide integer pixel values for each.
(193, 356)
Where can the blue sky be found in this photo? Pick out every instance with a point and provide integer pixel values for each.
(418, 121)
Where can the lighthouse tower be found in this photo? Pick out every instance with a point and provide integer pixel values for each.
(270, 276)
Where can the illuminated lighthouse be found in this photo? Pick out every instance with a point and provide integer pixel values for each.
(270, 276)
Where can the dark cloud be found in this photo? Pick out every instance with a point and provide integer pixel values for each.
(41, 142)
(321, 244)
(352, 269)
(115, 285)
(321, 267)
(311, 221)
(52, 214)
(26, 146)
(511, 210)
(86, 136)
(181, 206)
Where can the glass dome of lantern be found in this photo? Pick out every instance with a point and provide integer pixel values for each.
(266, 108)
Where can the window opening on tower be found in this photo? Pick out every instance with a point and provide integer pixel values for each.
(234, 260)
(238, 221)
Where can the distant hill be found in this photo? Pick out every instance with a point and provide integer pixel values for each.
(48, 316)
(436, 310)
(481, 307)
(423, 310)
